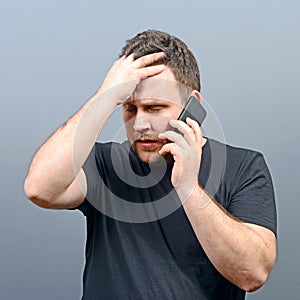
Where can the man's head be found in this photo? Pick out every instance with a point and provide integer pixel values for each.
(177, 57)
(159, 98)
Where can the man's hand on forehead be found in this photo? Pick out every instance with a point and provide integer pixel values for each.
(126, 73)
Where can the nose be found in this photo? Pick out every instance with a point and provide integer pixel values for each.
(142, 122)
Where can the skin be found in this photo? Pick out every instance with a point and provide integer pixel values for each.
(243, 253)
(148, 112)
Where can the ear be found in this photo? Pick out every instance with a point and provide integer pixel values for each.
(197, 95)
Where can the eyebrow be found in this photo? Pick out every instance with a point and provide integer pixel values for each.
(149, 101)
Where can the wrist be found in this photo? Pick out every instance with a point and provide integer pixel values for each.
(106, 98)
(118, 94)
(196, 199)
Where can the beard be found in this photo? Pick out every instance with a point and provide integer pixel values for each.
(150, 153)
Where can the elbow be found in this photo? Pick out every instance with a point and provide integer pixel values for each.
(34, 193)
(254, 283)
(256, 280)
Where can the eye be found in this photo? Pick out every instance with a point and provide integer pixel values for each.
(130, 108)
(154, 108)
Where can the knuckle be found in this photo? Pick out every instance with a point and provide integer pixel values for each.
(143, 61)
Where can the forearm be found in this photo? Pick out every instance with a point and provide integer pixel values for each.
(236, 249)
(58, 161)
(243, 253)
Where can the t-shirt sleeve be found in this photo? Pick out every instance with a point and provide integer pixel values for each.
(252, 196)
(90, 170)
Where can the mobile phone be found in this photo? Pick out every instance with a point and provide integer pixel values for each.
(194, 110)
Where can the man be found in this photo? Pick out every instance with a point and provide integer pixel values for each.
(199, 224)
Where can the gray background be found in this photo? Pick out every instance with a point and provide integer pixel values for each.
(54, 55)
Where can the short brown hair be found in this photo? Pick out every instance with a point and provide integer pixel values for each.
(178, 57)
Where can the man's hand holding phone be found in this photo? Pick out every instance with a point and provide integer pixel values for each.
(186, 147)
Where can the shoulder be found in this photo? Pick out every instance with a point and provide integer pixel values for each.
(233, 155)
(246, 160)
(238, 163)
(246, 190)
(233, 150)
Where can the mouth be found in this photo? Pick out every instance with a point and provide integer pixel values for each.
(147, 143)
(147, 146)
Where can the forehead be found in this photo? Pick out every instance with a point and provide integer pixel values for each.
(162, 87)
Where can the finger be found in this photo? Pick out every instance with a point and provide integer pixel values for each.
(148, 59)
(197, 131)
(150, 71)
(129, 58)
(170, 148)
(119, 61)
(185, 129)
(174, 137)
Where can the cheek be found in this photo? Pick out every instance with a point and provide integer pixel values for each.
(160, 123)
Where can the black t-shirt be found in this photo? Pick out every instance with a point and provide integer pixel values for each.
(145, 247)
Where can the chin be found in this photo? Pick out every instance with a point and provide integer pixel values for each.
(149, 157)
(155, 158)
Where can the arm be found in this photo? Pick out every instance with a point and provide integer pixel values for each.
(243, 253)
(55, 178)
